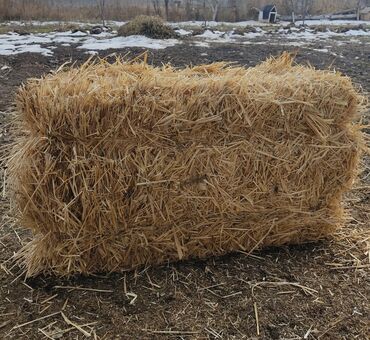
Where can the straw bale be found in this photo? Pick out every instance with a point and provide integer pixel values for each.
(122, 165)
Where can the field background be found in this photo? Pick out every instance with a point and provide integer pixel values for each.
(178, 10)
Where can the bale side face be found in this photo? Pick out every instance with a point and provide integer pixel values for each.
(125, 165)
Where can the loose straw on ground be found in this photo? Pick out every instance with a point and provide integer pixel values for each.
(257, 320)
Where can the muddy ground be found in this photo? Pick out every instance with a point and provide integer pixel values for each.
(313, 291)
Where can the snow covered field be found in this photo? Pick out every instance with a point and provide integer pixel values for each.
(44, 43)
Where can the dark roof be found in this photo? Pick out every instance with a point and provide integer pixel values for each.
(267, 10)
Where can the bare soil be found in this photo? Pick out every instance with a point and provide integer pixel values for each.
(312, 291)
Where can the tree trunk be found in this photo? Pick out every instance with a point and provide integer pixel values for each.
(304, 11)
(214, 5)
(103, 12)
(359, 3)
(101, 5)
(234, 6)
(204, 13)
(166, 8)
(188, 10)
(157, 9)
(215, 12)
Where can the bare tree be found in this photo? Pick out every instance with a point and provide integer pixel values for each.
(234, 6)
(215, 7)
(291, 6)
(298, 6)
(6, 9)
(157, 7)
(101, 8)
(361, 4)
(188, 9)
(306, 8)
(166, 2)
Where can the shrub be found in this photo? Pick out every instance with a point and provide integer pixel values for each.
(151, 27)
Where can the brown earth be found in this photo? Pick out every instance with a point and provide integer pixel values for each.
(312, 291)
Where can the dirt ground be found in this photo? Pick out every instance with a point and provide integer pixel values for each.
(313, 291)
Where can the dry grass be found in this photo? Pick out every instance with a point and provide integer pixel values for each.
(151, 27)
(126, 9)
(124, 164)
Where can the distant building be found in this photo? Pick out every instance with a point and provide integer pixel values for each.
(365, 14)
(268, 14)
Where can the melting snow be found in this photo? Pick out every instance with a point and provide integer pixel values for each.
(211, 35)
(16, 49)
(182, 32)
(131, 41)
(357, 32)
(227, 37)
(323, 50)
(14, 43)
(327, 22)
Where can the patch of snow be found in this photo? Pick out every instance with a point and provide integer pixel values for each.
(79, 34)
(131, 41)
(34, 49)
(24, 39)
(65, 37)
(14, 43)
(183, 32)
(9, 49)
(327, 22)
(259, 43)
(211, 35)
(65, 40)
(310, 35)
(295, 43)
(252, 35)
(227, 37)
(357, 33)
(200, 44)
(115, 23)
(323, 50)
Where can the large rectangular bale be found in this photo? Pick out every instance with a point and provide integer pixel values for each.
(122, 165)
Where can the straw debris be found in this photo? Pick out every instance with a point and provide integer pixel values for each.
(122, 165)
